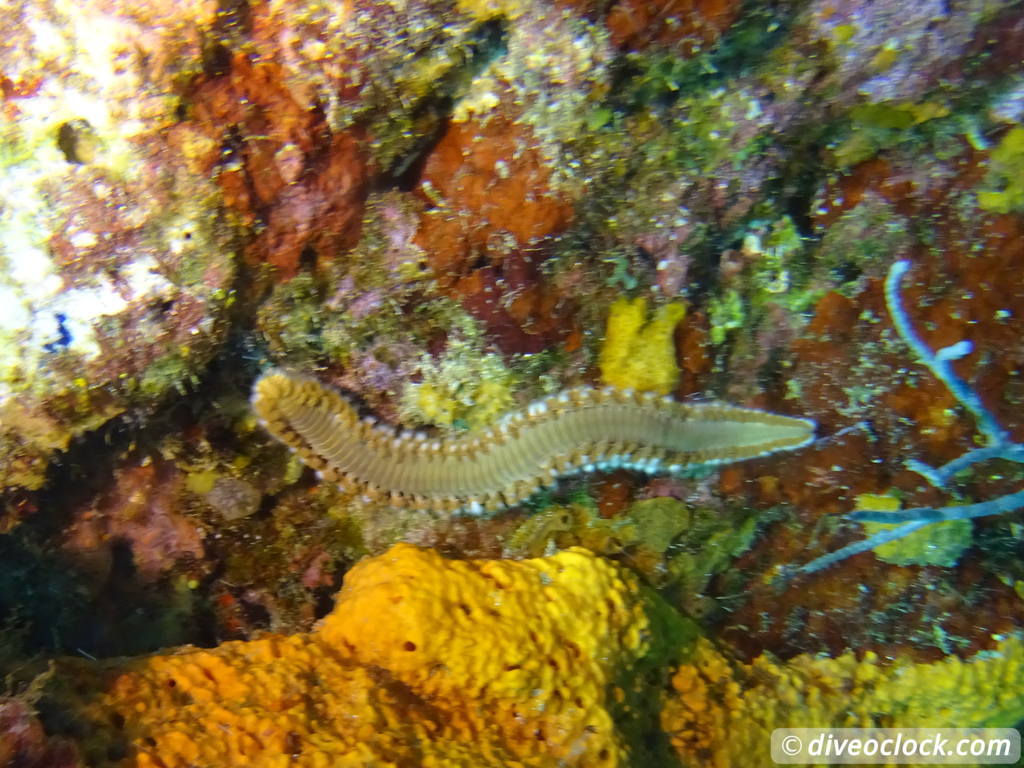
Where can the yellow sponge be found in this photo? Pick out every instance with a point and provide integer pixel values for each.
(638, 353)
(720, 712)
(424, 662)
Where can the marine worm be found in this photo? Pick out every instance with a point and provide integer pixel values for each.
(577, 430)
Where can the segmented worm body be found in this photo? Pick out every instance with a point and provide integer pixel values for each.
(578, 430)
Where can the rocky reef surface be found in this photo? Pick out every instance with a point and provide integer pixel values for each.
(448, 211)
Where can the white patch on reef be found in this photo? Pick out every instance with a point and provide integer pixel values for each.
(92, 52)
(37, 311)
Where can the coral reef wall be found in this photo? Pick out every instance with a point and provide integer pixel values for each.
(463, 217)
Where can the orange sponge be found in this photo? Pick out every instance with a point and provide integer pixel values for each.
(424, 662)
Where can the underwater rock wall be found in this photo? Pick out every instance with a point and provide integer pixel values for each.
(450, 211)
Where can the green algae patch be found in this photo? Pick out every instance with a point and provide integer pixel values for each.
(940, 544)
(1004, 184)
(878, 126)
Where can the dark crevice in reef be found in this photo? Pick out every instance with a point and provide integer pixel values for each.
(661, 78)
(49, 601)
(485, 43)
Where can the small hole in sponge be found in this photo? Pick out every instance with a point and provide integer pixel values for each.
(409, 645)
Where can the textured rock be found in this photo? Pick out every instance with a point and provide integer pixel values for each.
(115, 267)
